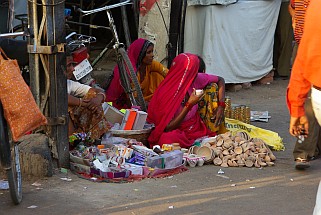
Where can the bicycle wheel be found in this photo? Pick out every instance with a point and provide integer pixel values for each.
(12, 167)
(14, 176)
(126, 68)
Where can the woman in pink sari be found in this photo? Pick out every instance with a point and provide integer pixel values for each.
(150, 74)
(173, 108)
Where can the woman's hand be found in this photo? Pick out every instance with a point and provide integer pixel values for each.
(218, 116)
(94, 105)
(175, 123)
(194, 99)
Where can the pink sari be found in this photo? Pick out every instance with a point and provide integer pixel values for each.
(167, 100)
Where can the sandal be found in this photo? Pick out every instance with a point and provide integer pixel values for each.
(301, 163)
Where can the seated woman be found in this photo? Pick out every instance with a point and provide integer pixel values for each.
(173, 108)
(210, 104)
(85, 107)
(150, 74)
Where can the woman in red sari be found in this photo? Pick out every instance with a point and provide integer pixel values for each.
(173, 107)
(150, 74)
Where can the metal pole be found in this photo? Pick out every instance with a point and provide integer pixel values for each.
(34, 58)
(58, 104)
(125, 25)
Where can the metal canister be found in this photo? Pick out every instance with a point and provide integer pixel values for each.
(242, 113)
(232, 115)
(237, 114)
(167, 147)
(228, 102)
(248, 114)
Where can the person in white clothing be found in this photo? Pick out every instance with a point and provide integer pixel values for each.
(84, 106)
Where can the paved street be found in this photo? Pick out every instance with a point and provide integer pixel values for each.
(273, 190)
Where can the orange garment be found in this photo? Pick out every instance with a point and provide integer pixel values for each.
(155, 74)
(307, 66)
(84, 120)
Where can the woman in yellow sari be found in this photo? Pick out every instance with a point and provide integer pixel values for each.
(150, 74)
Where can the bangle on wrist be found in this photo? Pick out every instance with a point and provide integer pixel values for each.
(221, 104)
(188, 105)
(80, 102)
(104, 96)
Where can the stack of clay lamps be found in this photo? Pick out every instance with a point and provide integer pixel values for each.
(240, 150)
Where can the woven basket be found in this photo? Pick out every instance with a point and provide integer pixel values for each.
(139, 135)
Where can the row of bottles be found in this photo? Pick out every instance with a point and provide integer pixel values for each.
(239, 112)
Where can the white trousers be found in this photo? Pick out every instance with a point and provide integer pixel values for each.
(316, 103)
(317, 208)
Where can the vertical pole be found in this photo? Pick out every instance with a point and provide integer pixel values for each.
(52, 34)
(80, 16)
(182, 27)
(58, 104)
(174, 27)
(125, 24)
(34, 58)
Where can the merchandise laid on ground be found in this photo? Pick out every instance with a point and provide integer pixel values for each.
(121, 159)
(123, 155)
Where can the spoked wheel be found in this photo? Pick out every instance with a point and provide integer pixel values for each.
(14, 176)
(10, 161)
(129, 79)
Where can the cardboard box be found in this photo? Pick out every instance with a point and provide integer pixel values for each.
(94, 171)
(172, 159)
(112, 114)
(79, 160)
(79, 167)
(140, 120)
(155, 162)
(115, 173)
(134, 169)
(129, 119)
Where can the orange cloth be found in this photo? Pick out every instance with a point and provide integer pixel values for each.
(155, 74)
(307, 66)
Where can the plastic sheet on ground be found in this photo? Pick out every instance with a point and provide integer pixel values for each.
(148, 173)
(271, 138)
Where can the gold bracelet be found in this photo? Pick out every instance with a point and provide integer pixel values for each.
(103, 94)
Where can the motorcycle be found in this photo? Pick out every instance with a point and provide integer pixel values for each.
(17, 49)
(77, 44)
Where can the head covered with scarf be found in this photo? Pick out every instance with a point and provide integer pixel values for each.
(136, 53)
(171, 92)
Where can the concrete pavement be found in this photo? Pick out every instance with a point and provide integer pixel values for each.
(270, 190)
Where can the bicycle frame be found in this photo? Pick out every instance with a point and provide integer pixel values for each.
(114, 41)
(108, 7)
(13, 35)
(110, 19)
(117, 46)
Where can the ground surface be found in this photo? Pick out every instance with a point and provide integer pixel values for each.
(271, 190)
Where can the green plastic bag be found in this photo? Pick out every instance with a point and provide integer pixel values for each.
(269, 137)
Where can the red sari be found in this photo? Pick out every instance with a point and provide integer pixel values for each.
(167, 100)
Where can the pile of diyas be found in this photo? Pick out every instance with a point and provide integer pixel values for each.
(237, 150)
